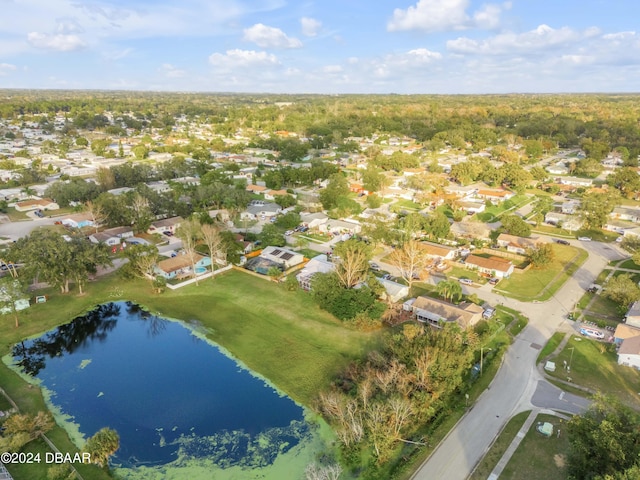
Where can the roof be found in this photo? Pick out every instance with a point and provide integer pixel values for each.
(437, 250)
(522, 242)
(118, 230)
(494, 193)
(634, 310)
(177, 263)
(43, 202)
(630, 346)
(256, 188)
(624, 331)
(167, 222)
(491, 263)
(465, 314)
(277, 192)
(79, 217)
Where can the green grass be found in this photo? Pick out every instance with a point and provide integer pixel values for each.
(598, 370)
(16, 216)
(554, 231)
(493, 456)
(598, 235)
(603, 306)
(551, 345)
(538, 456)
(541, 284)
(584, 300)
(493, 213)
(406, 204)
(459, 272)
(281, 335)
(630, 264)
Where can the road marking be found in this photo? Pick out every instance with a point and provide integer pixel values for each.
(561, 395)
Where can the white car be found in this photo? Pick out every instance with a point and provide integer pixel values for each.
(590, 332)
(619, 239)
(584, 239)
(466, 281)
(288, 232)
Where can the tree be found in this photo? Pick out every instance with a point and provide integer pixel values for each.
(541, 255)
(20, 429)
(437, 225)
(410, 259)
(105, 179)
(622, 290)
(213, 240)
(102, 446)
(605, 441)
(515, 225)
(141, 213)
(337, 188)
(11, 291)
(596, 207)
(449, 290)
(373, 179)
(98, 216)
(352, 262)
(272, 235)
(142, 261)
(626, 180)
(189, 232)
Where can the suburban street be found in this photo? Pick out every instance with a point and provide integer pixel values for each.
(518, 385)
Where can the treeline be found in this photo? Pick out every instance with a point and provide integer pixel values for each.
(596, 123)
(384, 400)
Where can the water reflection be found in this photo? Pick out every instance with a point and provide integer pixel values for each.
(171, 396)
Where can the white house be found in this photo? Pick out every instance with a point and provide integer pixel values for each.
(255, 212)
(516, 244)
(394, 291)
(494, 266)
(165, 225)
(629, 352)
(626, 213)
(112, 236)
(313, 220)
(318, 264)
(632, 318)
(282, 256)
(340, 226)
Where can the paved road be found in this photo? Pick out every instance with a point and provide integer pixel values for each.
(518, 384)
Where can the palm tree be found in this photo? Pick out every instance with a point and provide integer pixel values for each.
(449, 290)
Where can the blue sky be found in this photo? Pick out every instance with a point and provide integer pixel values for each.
(322, 46)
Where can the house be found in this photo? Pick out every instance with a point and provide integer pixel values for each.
(394, 291)
(313, 220)
(272, 194)
(570, 207)
(261, 212)
(37, 204)
(165, 225)
(434, 312)
(256, 189)
(618, 226)
(318, 264)
(517, 244)
(624, 331)
(495, 196)
(471, 206)
(620, 213)
(246, 245)
(555, 218)
(180, 266)
(439, 252)
(558, 169)
(629, 352)
(282, 256)
(112, 236)
(78, 220)
(575, 181)
(632, 318)
(493, 266)
(471, 230)
(337, 227)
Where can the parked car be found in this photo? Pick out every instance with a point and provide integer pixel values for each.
(386, 276)
(288, 233)
(590, 332)
(168, 234)
(494, 281)
(619, 239)
(374, 266)
(488, 312)
(584, 239)
(39, 213)
(466, 281)
(562, 242)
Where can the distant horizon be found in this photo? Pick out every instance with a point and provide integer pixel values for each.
(409, 47)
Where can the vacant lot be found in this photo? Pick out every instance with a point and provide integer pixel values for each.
(541, 284)
(595, 365)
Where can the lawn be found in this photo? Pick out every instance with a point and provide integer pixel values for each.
(630, 264)
(281, 335)
(551, 345)
(538, 456)
(491, 214)
(406, 204)
(598, 235)
(500, 445)
(458, 272)
(555, 231)
(598, 370)
(541, 284)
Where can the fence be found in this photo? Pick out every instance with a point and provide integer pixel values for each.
(199, 277)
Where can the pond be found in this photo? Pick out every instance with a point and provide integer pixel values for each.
(176, 400)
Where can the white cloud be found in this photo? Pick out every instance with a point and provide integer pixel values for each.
(310, 26)
(270, 37)
(5, 68)
(446, 15)
(171, 71)
(542, 38)
(233, 59)
(331, 69)
(59, 42)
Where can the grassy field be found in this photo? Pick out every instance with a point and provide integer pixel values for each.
(491, 214)
(551, 345)
(554, 231)
(541, 284)
(595, 365)
(538, 456)
(630, 264)
(281, 335)
(493, 456)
